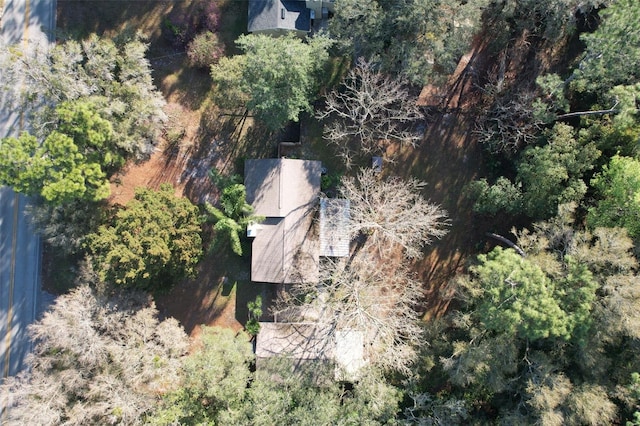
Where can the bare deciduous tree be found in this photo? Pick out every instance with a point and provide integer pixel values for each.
(95, 361)
(371, 292)
(369, 295)
(510, 124)
(392, 212)
(66, 226)
(370, 109)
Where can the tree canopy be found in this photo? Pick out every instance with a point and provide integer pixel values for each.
(232, 218)
(392, 212)
(377, 298)
(543, 331)
(151, 243)
(368, 111)
(518, 298)
(111, 78)
(214, 380)
(72, 161)
(417, 39)
(275, 78)
(96, 359)
(618, 186)
(547, 176)
(612, 54)
(219, 387)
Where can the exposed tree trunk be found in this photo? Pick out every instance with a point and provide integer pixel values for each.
(611, 110)
(507, 242)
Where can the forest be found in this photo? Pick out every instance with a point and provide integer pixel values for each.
(493, 265)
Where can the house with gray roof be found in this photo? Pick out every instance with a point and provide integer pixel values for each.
(285, 191)
(286, 249)
(280, 17)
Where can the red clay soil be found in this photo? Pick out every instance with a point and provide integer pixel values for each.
(175, 164)
(450, 157)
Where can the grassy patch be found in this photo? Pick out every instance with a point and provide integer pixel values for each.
(320, 149)
(211, 297)
(180, 83)
(246, 291)
(335, 71)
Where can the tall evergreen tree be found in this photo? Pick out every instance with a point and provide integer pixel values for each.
(151, 243)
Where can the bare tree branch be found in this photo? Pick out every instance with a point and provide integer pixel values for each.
(611, 110)
(392, 212)
(510, 122)
(96, 361)
(370, 109)
(368, 295)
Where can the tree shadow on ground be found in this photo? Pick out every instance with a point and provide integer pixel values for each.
(223, 142)
(111, 17)
(234, 24)
(448, 159)
(210, 297)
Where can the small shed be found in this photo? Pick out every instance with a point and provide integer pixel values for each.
(303, 341)
(313, 342)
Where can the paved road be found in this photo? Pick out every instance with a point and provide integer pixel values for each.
(26, 24)
(19, 275)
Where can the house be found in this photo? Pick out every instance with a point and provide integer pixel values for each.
(286, 249)
(285, 192)
(280, 17)
(312, 343)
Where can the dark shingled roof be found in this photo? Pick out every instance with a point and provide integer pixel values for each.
(266, 15)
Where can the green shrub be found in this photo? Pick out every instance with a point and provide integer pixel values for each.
(205, 50)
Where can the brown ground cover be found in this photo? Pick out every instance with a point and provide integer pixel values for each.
(447, 159)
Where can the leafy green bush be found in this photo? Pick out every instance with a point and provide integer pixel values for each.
(330, 181)
(205, 50)
(151, 244)
(252, 327)
(618, 186)
(491, 199)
